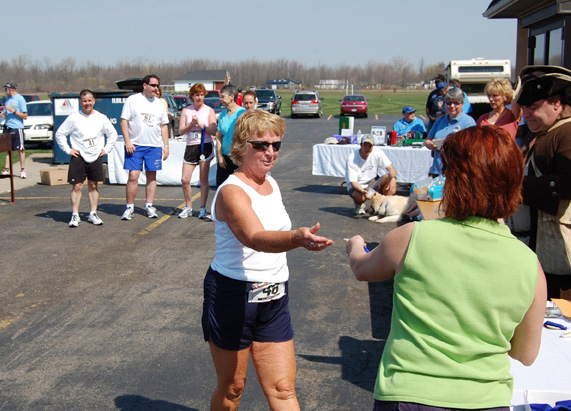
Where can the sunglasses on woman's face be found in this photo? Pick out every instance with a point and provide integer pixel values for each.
(264, 145)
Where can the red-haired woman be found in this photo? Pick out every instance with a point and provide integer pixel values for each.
(467, 293)
(198, 124)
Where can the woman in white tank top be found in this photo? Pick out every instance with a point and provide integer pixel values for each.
(245, 290)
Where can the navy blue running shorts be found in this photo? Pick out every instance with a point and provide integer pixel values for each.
(231, 323)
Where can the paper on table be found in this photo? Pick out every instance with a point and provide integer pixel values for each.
(564, 306)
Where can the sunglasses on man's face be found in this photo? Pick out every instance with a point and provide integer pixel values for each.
(264, 145)
(153, 85)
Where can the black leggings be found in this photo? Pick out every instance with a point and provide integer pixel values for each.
(223, 173)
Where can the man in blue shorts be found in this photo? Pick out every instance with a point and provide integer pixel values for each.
(15, 112)
(144, 124)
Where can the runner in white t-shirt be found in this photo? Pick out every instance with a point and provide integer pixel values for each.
(87, 130)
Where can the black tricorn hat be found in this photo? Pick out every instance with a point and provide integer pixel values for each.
(541, 82)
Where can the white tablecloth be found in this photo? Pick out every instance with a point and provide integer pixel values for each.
(551, 371)
(412, 164)
(171, 173)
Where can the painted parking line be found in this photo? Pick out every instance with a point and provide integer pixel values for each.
(376, 116)
(157, 223)
(164, 218)
(330, 115)
(145, 230)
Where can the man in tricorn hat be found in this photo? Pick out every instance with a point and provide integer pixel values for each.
(544, 93)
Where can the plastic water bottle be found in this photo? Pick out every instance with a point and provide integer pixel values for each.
(359, 135)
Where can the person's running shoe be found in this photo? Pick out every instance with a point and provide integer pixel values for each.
(186, 212)
(203, 215)
(360, 209)
(151, 212)
(128, 214)
(94, 219)
(74, 222)
(5, 172)
(23, 174)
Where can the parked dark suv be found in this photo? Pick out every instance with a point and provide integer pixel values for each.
(269, 100)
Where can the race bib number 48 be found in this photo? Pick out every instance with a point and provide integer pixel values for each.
(264, 292)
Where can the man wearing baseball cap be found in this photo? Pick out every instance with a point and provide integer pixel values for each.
(435, 96)
(544, 94)
(362, 174)
(15, 112)
(409, 122)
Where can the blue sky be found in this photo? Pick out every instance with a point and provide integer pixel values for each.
(312, 32)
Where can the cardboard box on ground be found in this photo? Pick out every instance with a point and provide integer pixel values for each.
(58, 176)
(53, 176)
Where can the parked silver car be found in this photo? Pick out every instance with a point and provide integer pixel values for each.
(306, 102)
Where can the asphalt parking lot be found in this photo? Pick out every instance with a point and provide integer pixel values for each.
(108, 317)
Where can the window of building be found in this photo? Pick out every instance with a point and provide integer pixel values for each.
(538, 55)
(546, 44)
(555, 51)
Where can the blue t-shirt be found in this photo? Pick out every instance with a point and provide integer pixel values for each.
(441, 129)
(402, 127)
(226, 125)
(19, 103)
(467, 107)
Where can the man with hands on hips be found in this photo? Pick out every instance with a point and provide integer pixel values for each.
(362, 176)
(144, 122)
(87, 130)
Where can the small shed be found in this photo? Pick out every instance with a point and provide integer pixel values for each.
(283, 83)
(212, 80)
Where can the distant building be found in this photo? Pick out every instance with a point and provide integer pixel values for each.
(331, 84)
(283, 83)
(212, 80)
(543, 29)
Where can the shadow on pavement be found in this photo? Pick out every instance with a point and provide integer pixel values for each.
(58, 216)
(140, 403)
(318, 188)
(359, 359)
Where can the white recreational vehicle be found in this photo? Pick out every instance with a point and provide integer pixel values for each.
(474, 75)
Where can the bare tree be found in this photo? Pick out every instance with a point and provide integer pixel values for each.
(68, 75)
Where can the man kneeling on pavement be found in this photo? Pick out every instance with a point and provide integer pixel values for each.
(362, 174)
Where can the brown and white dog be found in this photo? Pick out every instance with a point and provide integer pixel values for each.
(390, 209)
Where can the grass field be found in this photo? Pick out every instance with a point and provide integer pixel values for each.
(16, 158)
(380, 102)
